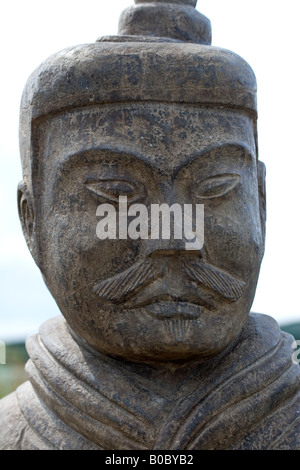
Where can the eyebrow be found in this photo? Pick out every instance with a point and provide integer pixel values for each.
(119, 151)
(106, 150)
(206, 153)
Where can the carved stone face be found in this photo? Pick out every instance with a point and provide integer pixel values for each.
(150, 299)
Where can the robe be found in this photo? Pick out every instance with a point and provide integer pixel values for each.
(247, 397)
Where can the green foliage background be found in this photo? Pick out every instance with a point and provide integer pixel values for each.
(12, 373)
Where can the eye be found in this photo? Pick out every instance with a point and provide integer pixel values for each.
(215, 186)
(112, 189)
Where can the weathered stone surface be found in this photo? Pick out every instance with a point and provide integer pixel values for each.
(97, 402)
(157, 349)
(176, 20)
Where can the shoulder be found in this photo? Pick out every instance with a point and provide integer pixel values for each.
(12, 423)
(16, 432)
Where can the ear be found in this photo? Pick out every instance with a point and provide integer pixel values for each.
(261, 175)
(27, 218)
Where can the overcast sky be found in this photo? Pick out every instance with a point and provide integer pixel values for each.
(266, 33)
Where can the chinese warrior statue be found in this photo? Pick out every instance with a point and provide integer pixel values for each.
(156, 347)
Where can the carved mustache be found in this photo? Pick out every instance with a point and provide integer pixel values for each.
(224, 284)
(117, 287)
(144, 272)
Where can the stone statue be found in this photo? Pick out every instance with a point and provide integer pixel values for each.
(156, 348)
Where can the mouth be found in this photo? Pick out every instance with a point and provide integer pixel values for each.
(169, 310)
(167, 307)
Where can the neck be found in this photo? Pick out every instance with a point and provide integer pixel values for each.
(169, 373)
(104, 402)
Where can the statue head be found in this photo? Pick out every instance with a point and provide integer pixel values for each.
(152, 116)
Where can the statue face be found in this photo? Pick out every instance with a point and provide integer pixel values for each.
(150, 299)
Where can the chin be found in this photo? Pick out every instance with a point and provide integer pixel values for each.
(177, 340)
(137, 336)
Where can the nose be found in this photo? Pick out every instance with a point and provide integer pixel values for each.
(168, 248)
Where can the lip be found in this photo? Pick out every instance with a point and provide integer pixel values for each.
(167, 310)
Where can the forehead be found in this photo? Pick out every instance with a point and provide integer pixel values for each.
(163, 135)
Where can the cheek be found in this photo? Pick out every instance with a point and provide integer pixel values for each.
(75, 258)
(233, 241)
